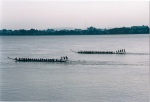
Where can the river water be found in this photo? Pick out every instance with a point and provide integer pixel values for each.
(85, 77)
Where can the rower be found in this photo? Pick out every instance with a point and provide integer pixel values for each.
(53, 60)
(61, 58)
(124, 51)
(16, 58)
(66, 58)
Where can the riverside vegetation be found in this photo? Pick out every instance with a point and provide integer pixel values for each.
(89, 31)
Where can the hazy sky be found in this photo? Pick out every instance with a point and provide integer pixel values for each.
(43, 14)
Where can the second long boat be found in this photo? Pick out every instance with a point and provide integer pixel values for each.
(121, 51)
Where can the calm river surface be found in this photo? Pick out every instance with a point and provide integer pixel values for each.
(85, 77)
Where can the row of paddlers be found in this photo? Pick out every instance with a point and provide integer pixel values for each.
(121, 51)
(95, 52)
(62, 59)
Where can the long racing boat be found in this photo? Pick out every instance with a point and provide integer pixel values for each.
(122, 51)
(62, 59)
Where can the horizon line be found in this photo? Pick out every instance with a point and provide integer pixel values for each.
(73, 28)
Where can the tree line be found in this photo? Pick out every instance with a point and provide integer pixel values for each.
(89, 31)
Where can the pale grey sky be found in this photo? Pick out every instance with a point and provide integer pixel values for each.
(43, 14)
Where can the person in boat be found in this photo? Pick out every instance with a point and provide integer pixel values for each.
(52, 60)
(16, 58)
(62, 59)
(66, 58)
(116, 51)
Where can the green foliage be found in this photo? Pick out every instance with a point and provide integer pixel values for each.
(89, 31)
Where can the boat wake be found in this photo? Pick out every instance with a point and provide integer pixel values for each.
(79, 62)
(138, 53)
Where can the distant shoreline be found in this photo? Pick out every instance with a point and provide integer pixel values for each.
(89, 31)
(77, 35)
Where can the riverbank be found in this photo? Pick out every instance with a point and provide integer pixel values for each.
(89, 31)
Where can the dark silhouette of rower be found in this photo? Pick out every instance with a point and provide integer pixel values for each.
(124, 50)
(116, 51)
(61, 58)
(16, 58)
(66, 58)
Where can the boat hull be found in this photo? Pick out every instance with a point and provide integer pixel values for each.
(37, 60)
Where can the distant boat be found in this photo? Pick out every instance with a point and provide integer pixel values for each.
(62, 59)
(122, 51)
